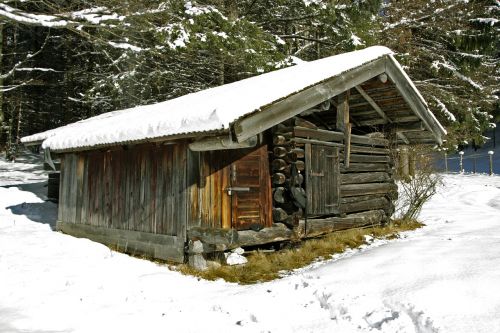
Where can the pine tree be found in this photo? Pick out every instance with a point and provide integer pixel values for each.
(314, 29)
(108, 55)
(450, 48)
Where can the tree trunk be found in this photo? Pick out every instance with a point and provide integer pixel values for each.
(1, 83)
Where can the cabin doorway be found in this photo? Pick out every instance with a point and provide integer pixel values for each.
(250, 190)
(322, 183)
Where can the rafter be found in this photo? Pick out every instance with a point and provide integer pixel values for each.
(380, 112)
(372, 103)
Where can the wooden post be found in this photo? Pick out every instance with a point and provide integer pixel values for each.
(344, 125)
(403, 161)
(461, 161)
(412, 162)
(474, 165)
(491, 152)
(343, 110)
(347, 142)
(446, 162)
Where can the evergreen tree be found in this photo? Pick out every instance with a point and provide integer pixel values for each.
(180, 48)
(451, 49)
(313, 29)
(38, 67)
(95, 56)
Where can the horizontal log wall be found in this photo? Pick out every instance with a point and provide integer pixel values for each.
(215, 239)
(367, 184)
(317, 227)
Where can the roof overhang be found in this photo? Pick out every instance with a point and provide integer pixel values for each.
(301, 101)
(422, 124)
(246, 108)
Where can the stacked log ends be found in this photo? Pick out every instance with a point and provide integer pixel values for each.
(366, 185)
(288, 165)
(278, 178)
(279, 214)
(279, 164)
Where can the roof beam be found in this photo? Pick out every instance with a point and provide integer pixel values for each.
(372, 122)
(413, 98)
(403, 138)
(221, 143)
(380, 112)
(373, 104)
(415, 126)
(298, 102)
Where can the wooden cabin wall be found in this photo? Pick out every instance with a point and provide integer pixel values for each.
(209, 172)
(366, 185)
(141, 189)
(212, 173)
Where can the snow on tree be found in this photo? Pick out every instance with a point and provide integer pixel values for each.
(450, 48)
(95, 56)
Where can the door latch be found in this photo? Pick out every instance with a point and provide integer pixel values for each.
(230, 190)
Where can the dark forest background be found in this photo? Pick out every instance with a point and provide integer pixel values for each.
(62, 61)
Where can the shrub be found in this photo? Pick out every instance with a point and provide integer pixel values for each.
(415, 190)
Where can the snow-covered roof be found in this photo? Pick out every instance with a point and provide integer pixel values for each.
(211, 110)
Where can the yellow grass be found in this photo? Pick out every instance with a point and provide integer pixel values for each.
(269, 266)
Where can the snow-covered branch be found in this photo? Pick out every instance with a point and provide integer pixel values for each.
(23, 17)
(12, 87)
(18, 65)
(317, 40)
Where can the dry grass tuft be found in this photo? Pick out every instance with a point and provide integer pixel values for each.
(263, 267)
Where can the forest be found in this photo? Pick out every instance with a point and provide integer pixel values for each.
(62, 61)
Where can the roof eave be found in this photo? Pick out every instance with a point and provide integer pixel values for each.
(414, 99)
(292, 105)
(156, 140)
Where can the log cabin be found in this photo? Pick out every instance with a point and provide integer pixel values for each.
(290, 154)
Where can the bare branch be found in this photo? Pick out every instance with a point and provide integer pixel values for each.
(18, 65)
(305, 38)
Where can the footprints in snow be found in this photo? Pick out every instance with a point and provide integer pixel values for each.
(369, 315)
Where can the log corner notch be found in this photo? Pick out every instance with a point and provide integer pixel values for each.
(288, 166)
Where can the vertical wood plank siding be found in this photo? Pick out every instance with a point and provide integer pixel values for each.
(210, 175)
(143, 189)
(213, 170)
(323, 187)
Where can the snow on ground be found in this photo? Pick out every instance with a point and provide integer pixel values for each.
(442, 278)
(27, 169)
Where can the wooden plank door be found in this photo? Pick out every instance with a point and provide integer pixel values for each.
(250, 190)
(322, 183)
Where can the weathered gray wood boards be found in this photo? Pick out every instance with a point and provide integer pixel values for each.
(334, 189)
(134, 199)
(142, 199)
